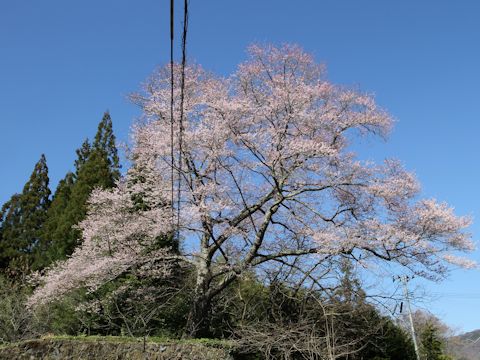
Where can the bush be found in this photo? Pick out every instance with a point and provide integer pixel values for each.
(14, 318)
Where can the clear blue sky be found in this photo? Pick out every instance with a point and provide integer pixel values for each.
(63, 63)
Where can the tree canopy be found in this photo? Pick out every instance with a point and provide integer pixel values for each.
(267, 180)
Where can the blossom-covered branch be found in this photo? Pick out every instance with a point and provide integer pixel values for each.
(266, 173)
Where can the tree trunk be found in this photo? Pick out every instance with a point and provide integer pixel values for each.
(198, 324)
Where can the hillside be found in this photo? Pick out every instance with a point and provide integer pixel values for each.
(466, 346)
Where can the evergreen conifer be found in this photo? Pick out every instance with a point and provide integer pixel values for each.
(432, 345)
(82, 155)
(97, 165)
(55, 226)
(22, 219)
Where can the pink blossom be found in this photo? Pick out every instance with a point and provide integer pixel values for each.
(266, 173)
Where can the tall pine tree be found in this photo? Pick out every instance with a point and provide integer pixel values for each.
(97, 165)
(104, 143)
(55, 226)
(10, 220)
(22, 219)
(82, 155)
(431, 344)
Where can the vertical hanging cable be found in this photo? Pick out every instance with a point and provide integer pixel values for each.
(172, 156)
(182, 99)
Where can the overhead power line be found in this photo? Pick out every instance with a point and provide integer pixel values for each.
(176, 229)
(182, 98)
(172, 84)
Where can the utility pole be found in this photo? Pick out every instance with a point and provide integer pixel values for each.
(405, 279)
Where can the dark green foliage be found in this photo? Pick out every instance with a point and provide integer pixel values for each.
(32, 235)
(279, 321)
(94, 173)
(59, 317)
(431, 344)
(135, 305)
(104, 142)
(22, 219)
(389, 343)
(83, 153)
(54, 226)
(97, 165)
(10, 217)
(375, 335)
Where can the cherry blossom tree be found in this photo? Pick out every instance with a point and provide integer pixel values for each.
(267, 177)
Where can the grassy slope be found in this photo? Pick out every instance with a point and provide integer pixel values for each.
(109, 348)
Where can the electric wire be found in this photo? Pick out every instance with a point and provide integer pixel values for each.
(182, 100)
(172, 155)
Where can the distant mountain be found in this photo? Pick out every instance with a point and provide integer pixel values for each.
(465, 346)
